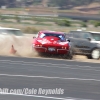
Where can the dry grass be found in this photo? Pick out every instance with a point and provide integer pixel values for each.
(53, 27)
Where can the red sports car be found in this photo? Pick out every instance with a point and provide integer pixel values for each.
(51, 42)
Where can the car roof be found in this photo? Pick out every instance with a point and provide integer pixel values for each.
(55, 32)
(6, 28)
(94, 32)
(80, 31)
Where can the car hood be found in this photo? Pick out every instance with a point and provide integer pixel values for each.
(51, 41)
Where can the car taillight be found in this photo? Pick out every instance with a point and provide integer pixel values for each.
(38, 45)
(33, 44)
(64, 47)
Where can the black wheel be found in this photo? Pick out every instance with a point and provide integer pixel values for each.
(95, 54)
(69, 55)
(89, 56)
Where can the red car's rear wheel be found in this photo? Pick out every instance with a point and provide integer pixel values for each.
(69, 55)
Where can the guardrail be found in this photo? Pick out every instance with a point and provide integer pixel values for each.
(81, 17)
(29, 17)
(60, 16)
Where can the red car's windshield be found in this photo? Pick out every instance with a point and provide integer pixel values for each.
(61, 36)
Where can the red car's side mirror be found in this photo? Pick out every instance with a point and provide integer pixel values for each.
(68, 40)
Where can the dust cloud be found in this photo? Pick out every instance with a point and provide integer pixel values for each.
(22, 44)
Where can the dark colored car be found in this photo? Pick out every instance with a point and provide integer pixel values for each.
(81, 44)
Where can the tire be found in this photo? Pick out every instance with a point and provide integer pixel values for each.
(69, 55)
(95, 54)
(89, 56)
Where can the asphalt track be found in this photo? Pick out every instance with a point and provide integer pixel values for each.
(80, 80)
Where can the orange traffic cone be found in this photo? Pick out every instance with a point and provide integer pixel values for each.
(12, 51)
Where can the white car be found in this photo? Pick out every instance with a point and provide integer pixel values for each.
(96, 36)
(10, 33)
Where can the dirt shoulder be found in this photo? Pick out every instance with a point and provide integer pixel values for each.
(84, 59)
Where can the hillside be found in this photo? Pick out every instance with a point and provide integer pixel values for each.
(67, 4)
(85, 7)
